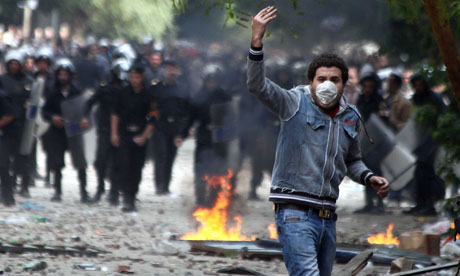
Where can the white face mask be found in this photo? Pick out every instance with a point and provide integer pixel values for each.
(326, 92)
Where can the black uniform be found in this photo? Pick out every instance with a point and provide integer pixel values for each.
(428, 185)
(261, 139)
(105, 97)
(134, 113)
(154, 76)
(171, 102)
(211, 155)
(89, 73)
(6, 109)
(17, 88)
(59, 142)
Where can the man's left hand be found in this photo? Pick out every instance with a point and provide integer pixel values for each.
(380, 184)
(84, 123)
(140, 140)
(178, 141)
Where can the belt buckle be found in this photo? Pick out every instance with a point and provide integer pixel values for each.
(326, 214)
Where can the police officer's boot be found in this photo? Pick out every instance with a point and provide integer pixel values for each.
(57, 187)
(24, 191)
(6, 187)
(129, 203)
(100, 186)
(113, 197)
(48, 177)
(84, 197)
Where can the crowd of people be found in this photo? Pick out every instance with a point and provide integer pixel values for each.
(145, 98)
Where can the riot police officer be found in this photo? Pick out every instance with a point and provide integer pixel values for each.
(43, 62)
(131, 125)
(53, 112)
(155, 72)
(171, 99)
(17, 87)
(212, 111)
(6, 117)
(105, 98)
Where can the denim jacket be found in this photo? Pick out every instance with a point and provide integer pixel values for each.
(314, 151)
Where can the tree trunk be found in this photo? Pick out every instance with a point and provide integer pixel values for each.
(439, 18)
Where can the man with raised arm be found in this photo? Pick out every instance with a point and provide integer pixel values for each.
(317, 146)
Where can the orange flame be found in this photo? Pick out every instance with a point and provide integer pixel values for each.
(214, 220)
(384, 238)
(452, 226)
(273, 232)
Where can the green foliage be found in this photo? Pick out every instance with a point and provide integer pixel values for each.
(445, 129)
(125, 18)
(409, 10)
(451, 207)
(121, 18)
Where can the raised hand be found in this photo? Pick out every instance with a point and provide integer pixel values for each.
(259, 24)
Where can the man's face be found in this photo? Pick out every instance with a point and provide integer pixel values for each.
(29, 64)
(136, 79)
(155, 60)
(14, 67)
(211, 84)
(63, 77)
(42, 66)
(368, 87)
(172, 73)
(323, 74)
(353, 78)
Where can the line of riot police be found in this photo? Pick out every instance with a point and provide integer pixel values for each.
(142, 108)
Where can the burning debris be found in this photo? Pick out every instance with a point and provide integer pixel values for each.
(384, 238)
(273, 232)
(214, 220)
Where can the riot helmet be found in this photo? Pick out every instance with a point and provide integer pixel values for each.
(120, 69)
(64, 64)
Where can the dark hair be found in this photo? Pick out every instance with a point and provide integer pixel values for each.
(171, 62)
(372, 76)
(397, 78)
(419, 77)
(156, 53)
(137, 68)
(327, 60)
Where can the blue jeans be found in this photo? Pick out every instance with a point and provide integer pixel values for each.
(308, 241)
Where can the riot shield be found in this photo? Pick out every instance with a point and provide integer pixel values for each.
(398, 167)
(73, 113)
(381, 134)
(32, 111)
(41, 124)
(409, 136)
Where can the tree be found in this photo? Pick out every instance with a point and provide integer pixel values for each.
(439, 18)
(113, 19)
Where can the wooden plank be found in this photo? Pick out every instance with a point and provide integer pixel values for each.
(240, 270)
(355, 265)
(427, 269)
(401, 264)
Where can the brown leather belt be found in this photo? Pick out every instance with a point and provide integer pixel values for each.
(322, 213)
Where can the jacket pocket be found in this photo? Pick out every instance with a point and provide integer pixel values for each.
(315, 131)
(314, 122)
(294, 216)
(350, 130)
